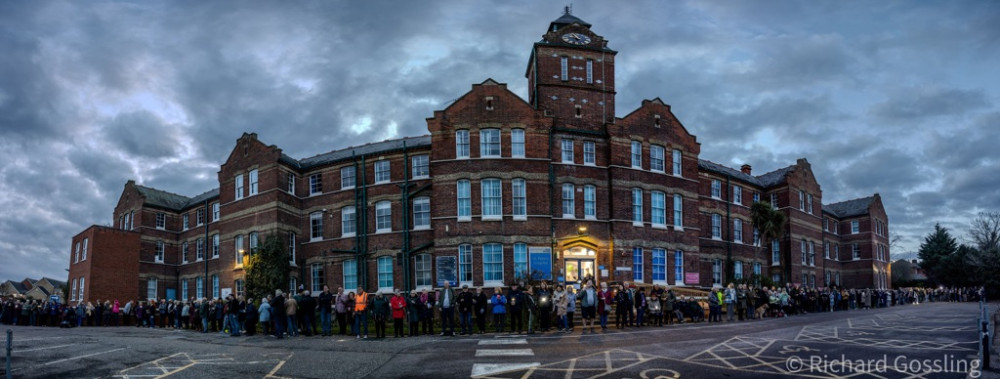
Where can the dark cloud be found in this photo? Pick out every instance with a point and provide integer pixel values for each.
(889, 98)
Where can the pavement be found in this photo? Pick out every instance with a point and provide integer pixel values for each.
(932, 340)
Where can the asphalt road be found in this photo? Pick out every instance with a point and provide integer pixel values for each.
(935, 340)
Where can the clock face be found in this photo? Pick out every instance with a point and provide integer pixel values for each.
(576, 38)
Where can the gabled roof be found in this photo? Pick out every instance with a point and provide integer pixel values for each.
(367, 149)
(775, 177)
(17, 286)
(849, 208)
(723, 170)
(55, 283)
(173, 201)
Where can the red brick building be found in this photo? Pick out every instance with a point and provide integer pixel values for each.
(501, 188)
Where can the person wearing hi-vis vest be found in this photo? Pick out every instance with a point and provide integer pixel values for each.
(360, 313)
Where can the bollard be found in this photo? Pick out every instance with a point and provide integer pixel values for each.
(986, 346)
(10, 341)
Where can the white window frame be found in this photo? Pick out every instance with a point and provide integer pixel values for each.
(254, 182)
(590, 71)
(659, 261)
(383, 216)
(519, 206)
(658, 209)
(678, 212)
(521, 261)
(775, 253)
(465, 266)
(350, 274)
(161, 220)
(809, 203)
(638, 259)
(716, 189)
(855, 251)
(737, 195)
(737, 270)
(216, 213)
(215, 246)
(238, 248)
(348, 221)
(636, 154)
(774, 201)
(348, 177)
(185, 246)
(199, 284)
(717, 272)
(421, 168)
(186, 221)
(566, 147)
(462, 144)
(184, 290)
(291, 183)
(517, 143)
(589, 202)
(292, 247)
(315, 184)
(84, 256)
(657, 158)
(716, 226)
(564, 68)
(215, 286)
(678, 163)
(569, 200)
(489, 143)
(422, 213)
(589, 153)
(422, 271)
(384, 268)
(738, 230)
(238, 184)
(492, 269)
(72, 296)
(199, 250)
(318, 277)
(83, 281)
(491, 199)
(802, 201)
(383, 173)
(315, 226)
(855, 227)
(151, 288)
(463, 195)
(678, 268)
(160, 252)
(637, 207)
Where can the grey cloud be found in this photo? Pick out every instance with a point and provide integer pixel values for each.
(910, 104)
(142, 133)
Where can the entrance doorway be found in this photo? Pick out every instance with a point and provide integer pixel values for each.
(580, 265)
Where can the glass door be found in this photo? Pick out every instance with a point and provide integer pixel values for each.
(578, 271)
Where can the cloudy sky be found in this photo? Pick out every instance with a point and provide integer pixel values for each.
(899, 98)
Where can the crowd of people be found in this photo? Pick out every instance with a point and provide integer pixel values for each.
(518, 309)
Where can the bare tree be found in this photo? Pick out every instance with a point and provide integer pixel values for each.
(985, 231)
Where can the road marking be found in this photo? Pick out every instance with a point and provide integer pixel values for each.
(505, 341)
(504, 353)
(40, 348)
(484, 369)
(82, 356)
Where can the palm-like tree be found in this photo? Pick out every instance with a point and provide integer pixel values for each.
(770, 223)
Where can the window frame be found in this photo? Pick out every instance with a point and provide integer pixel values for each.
(348, 221)
(636, 154)
(637, 208)
(637, 264)
(383, 216)
(254, 180)
(521, 261)
(677, 162)
(566, 148)
(420, 166)
(589, 202)
(491, 199)
(316, 226)
(463, 195)
(659, 255)
(568, 200)
(424, 269)
(661, 210)
(519, 200)
(489, 143)
(716, 226)
(315, 184)
(161, 220)
(383, 171)
(465, 265)
(462, 147)
(657, 158)
(422, 212)
(492, 269)
(348, 177)
(517, 143)
(349, 273)
(589, 157)
(238, 187)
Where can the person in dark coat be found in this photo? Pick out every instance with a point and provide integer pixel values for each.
(250, 314)
(413, 312)
(278, 313)
(307, 311)
(481, 304)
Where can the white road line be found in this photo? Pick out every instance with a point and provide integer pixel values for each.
(81, 357)
(40, 348)
(484, 369)
(505, 341)
(504, 353)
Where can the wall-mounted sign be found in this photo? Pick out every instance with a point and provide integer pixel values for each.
(446, 271)
(692, 278)
(540, 263)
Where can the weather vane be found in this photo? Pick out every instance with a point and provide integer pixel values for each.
(568, 9)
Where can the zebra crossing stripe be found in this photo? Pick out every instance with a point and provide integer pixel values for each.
(485, 369)
(504, 353)
(506, 341)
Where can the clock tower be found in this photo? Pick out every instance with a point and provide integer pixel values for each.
(571, 75)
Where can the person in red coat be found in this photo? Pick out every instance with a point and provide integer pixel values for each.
(398, 306)
(605, 298)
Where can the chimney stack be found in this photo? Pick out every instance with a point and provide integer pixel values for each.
(745, 169)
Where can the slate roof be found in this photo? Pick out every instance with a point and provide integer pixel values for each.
(849, 208)
(775, 177)
(55, 283)
(723, 170)
(567, 19)
(18, 286)
(366, 149)
(173, 201)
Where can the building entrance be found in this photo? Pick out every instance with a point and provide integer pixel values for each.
(580, 265)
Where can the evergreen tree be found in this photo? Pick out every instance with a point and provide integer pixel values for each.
(266, 268)
(770, 224)
(938, 254)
